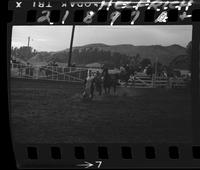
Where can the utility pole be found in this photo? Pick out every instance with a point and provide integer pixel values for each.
(28, 41)
(71, 45)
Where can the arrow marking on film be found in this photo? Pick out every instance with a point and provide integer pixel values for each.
(86, 165)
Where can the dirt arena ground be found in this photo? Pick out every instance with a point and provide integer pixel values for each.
(53, 112)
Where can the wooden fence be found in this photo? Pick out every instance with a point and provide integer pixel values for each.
(158, 82)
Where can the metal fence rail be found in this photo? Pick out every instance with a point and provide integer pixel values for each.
(72, 74)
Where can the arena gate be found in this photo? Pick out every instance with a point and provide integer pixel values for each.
(56, 73)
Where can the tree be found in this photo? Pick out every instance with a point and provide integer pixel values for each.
(145, 62)
(23, 52)
(159, 68)
(134, 61)
(14, 52)
(189, 52)
(189, 48)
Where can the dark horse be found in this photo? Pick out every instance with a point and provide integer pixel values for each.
(109, 81)
(98, 82)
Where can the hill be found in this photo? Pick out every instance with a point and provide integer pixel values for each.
(102, 53)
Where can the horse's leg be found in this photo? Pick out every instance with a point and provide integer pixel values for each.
(105, 89)
(114, 88)
(92, 92)
(96, 87)
(109, 89)
(100, 90)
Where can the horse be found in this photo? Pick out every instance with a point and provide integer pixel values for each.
(98, 83)
(109, 81)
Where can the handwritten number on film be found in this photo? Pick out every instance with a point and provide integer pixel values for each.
(136, 14)
(158, 5)
(88, 18)
(45, 17)
(65, 16)
(114, 17)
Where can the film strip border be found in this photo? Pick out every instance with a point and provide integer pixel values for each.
(133, 12)
(107, 155)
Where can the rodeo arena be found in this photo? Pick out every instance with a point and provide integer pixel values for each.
(72, 104)
(54, 103)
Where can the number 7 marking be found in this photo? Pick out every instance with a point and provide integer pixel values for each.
(99, 163)
(114, 16)
(136, 14)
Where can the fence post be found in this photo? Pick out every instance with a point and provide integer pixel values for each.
(63, 71)
(79, 75)
(57, 72)
(153, 80)
(31, 72)
(36, 72)
(19, 69)
(64, 74)
(51, 72)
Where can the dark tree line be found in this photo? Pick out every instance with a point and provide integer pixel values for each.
(86, 56)
(23, 52)
(114, 59)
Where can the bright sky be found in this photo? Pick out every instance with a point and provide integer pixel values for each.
(56, 38)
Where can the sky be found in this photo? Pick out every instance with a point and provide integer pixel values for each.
(56, 38)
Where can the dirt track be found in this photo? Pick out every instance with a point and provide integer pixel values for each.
(51, 112)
